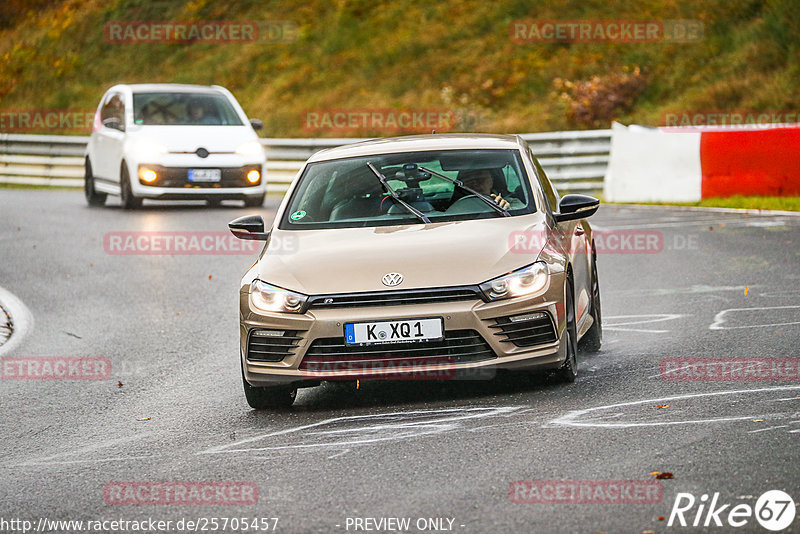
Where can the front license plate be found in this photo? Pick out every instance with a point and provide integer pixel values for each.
(405, 331)
(205, 175)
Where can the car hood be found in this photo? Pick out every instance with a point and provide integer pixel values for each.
(349, 260)
(190, 138)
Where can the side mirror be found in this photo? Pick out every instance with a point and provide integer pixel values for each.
(574, 207)
(256, 124)
(114, 123)
(249, 227)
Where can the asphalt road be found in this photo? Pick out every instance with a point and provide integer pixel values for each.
(172, 408)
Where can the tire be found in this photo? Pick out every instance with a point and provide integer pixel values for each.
(93, 198)
(569, 370)
(129, 202)
(262, 398)
(254, 202)
(592, 340)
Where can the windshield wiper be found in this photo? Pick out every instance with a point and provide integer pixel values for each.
(494, 205)
(395, 196)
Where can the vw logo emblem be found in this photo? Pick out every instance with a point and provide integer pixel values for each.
(392, 279)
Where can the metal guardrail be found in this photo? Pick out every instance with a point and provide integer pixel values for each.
(574, 161)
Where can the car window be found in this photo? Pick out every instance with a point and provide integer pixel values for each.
(113, 107)
(550, 193)
(180, 109)
(347, 193)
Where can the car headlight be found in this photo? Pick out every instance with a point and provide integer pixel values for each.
(267, 297)
(146, 149)
(250, 149)
(526, 281)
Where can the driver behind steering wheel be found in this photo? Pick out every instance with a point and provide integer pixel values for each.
(481, 180)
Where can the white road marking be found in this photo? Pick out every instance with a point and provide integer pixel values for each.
(649, 318)
(716, 223)
(57, 458)
(765, 429)
(691, 290)
(667, 224)
(719, 319)
(571, 418)
(404, 427)
(92, 460)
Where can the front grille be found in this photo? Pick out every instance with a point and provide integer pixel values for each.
(179, 177)
(526, 332)
(271, 348)
(458, 346)
(395, 298)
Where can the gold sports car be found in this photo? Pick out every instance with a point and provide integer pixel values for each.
(419, 257)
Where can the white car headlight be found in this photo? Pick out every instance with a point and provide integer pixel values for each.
(526, 281)
(250, 149)
(145, 149)
(266, 297)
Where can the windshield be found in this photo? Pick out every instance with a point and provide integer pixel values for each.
(349, 193)
(193, 109)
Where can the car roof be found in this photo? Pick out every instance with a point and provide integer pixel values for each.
(419, 143)
(170, 87)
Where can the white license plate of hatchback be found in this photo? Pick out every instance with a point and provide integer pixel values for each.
(400, 331)
(205, 175)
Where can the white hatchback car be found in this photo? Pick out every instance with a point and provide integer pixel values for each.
(173, 142)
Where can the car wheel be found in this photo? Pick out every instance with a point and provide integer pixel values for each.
(129, 202)
(593, 338)
(569, 370)
(92, 197)
(262, 398)
(254, 202)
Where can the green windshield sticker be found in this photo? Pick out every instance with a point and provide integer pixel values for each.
(296, 216)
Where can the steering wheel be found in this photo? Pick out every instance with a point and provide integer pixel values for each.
(465, 204)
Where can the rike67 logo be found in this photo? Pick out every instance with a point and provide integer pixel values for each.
(774, 510)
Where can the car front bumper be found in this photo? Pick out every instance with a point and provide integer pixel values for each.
(479, 338)
(173, 182)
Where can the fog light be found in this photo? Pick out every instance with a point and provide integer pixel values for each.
(147, 175)
(527, 317)
(253, 176)
(268, 333)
